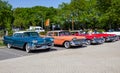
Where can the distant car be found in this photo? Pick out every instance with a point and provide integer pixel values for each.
(36, 29)
(28, 40)
(91, 39)
(66, 39)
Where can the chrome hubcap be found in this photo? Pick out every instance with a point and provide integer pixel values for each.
(67, 44)
(88, 42)
(27, 48)
(8, 45)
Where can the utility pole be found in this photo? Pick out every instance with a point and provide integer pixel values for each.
(72, 24)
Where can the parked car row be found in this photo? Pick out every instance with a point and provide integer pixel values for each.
(96, 37)
(30, 40)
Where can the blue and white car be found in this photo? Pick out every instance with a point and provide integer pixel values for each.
(28, 40)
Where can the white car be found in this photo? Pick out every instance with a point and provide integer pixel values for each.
(36, 29)
(114, 32)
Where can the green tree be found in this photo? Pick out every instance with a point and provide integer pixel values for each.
(6, 16)
(109, 13)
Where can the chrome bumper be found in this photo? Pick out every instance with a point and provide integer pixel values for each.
(78, 42)
(97, 41)
(110, 39)
(41, 47)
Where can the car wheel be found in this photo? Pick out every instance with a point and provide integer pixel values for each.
(103, 40)
(88, 42)
(8, 45)
(27, 48)
(67, 44)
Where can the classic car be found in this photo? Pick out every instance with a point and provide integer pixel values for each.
(91, 39)
(28, 40)
(117, 33)
(62, 37)
(106, 36)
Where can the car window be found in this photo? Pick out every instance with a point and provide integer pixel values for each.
(50, 34)
(26, 35)
(15, 35)
(55, 33)
(34, 34)
(31, 34)
(37, 29)
(64, 33)
(18, 35)
(61, 33)
(41, 28)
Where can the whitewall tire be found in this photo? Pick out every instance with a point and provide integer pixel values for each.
(8, 45)
(67, 44)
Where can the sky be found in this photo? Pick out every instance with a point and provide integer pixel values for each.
(31, 3)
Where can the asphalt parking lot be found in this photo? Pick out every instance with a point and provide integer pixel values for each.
(102, 58)
(6, 53)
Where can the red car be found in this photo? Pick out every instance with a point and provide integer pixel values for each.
(107, 37)
(92, 39)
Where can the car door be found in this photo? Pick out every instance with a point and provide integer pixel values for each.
(18, 40)
(58, 39)
(14, 39)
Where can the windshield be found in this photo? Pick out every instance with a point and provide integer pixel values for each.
(31, 34)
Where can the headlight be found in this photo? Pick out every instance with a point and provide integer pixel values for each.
(74, 39)
(34, 41)
(51, 39)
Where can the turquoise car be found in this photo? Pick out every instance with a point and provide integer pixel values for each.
(28, 40)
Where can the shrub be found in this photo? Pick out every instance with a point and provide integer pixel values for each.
(1, 33)
(101, 30)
